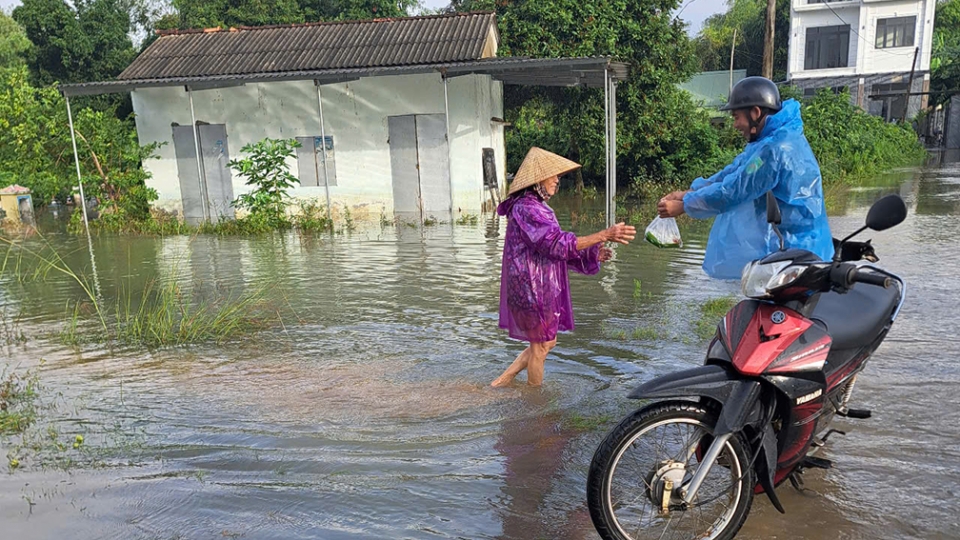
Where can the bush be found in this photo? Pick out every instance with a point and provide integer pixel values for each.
(852, 145)
(267, 172)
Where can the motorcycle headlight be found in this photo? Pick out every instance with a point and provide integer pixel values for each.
(759, 279)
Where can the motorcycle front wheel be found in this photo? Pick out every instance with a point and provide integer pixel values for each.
(641, 469)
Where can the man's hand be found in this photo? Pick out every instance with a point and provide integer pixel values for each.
(605, 254)
(674, 196)
(669, 208)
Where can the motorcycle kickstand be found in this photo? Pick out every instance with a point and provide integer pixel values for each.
(796, 480)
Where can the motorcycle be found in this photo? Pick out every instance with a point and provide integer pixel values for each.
(781, 366)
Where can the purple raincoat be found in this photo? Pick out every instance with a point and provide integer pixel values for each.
(534, 288)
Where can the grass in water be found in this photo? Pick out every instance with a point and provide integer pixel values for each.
(583, 424)
(161, 314)
(18, 397)
(710, 314)
(646, 333)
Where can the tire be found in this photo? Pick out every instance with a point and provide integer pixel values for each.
(623, 478)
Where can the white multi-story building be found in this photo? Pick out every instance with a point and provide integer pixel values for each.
(868, 46)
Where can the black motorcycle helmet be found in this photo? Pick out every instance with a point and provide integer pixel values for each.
(755, 92)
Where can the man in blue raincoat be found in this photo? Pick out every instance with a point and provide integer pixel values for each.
(777, 158)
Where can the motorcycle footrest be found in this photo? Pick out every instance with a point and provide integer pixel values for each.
(811, 462)
(859, 414)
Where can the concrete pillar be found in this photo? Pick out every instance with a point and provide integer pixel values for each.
(860, 96)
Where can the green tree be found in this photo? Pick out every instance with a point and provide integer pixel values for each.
(945, 60)
(36, 149)
(233, 13)
(748, 18)
(661, 134)
(88, 42)
(14, 45)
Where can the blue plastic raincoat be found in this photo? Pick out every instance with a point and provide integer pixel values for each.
(779, 160)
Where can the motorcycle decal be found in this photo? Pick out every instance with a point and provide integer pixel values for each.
(848, 368)
(808, 353)
(778, 317)
(764, 342)
(736, 323)
(808, 397)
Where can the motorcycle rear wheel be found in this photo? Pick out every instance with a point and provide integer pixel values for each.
(629, 472)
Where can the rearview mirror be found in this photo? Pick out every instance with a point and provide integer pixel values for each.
(773, 209)
(888, 212)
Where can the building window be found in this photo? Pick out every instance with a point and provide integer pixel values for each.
(827, 47)
(893, 99)
(811, 92)
(896, 32)
(310, 161)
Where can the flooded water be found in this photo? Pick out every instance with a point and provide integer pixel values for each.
(367, 413)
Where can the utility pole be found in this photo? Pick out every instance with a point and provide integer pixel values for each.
(906, 95)
(768, 39)
(733, 45)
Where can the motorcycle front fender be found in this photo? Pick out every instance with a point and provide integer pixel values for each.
(738, 397)
(740, 406)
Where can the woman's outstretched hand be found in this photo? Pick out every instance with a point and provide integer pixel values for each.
(621, 233)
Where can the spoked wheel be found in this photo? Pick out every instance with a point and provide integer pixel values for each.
(641, 469)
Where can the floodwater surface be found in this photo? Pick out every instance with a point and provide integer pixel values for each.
(366, 413)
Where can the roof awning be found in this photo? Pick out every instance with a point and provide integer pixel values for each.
(588, 72)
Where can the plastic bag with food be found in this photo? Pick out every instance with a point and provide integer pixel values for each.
(664, 233)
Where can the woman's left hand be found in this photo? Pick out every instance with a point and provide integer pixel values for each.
(605, 254)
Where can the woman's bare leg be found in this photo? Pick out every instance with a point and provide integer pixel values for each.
(515, 368)
(538, 355)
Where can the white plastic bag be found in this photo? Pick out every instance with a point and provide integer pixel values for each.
(664, 233)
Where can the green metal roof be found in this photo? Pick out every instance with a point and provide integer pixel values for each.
(712, 87)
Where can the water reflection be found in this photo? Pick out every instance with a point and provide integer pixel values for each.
(534, 445)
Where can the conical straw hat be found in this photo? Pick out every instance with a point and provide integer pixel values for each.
(538, 166)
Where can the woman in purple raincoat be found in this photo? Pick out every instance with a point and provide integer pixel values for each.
(534, 288)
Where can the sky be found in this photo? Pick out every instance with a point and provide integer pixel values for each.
(694, 12)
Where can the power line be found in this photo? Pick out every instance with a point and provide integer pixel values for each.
(683, 7)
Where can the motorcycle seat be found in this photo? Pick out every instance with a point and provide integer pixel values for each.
(856, 318)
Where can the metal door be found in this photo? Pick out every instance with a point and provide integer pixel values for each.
(419, 160)
(434, 164)
(402, 131)
(216, 168)
(185, 149)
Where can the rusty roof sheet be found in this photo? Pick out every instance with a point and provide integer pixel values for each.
(315, 46)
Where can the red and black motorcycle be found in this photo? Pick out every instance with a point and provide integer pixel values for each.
(782, 364)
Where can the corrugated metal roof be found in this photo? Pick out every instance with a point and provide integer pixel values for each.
(315, 46)
(587, 71)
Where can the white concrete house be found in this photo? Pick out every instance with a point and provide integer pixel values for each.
(869, 46)
(393, 115)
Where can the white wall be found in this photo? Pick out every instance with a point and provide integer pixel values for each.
(355, 114)
(865, 58)
(800, 21)
(898, 59)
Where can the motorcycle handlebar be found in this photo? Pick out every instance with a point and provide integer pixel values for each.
(872, 278)
(846, 274)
